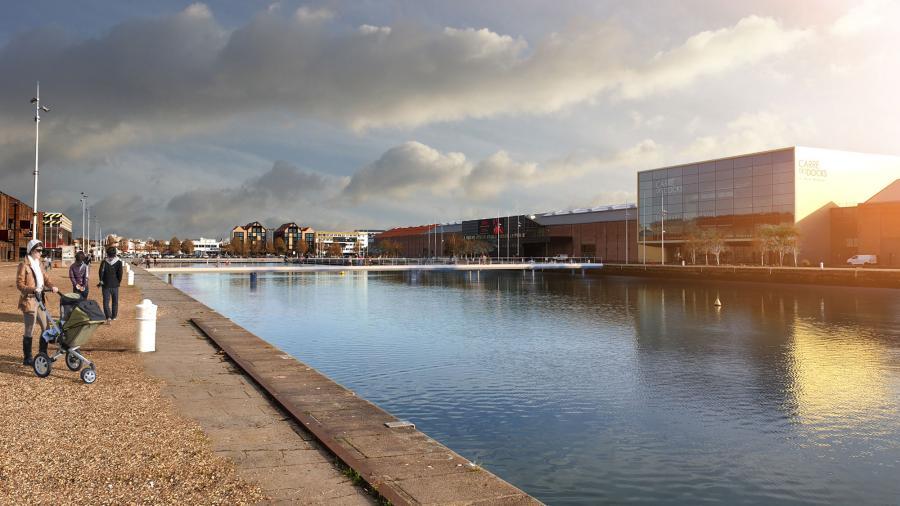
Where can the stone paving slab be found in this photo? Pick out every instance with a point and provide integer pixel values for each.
(266, 443)
(404, 465)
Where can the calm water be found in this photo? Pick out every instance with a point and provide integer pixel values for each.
(589, 390)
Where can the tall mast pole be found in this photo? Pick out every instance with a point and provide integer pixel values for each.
(37, 135)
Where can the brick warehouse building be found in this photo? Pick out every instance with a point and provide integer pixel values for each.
(417, 242)
(15, 227)
(606, 233)
(869, 228)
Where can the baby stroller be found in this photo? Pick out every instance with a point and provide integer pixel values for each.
(78, 321)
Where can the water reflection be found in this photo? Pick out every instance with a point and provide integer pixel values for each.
(587, 390)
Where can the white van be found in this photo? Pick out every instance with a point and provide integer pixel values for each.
(862, 260)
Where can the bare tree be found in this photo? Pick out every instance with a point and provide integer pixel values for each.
(335, 249)
(693, 242)
(715, 244)
(174, 245)
(301, 247)
(280, 248)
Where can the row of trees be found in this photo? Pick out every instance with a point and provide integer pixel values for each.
(781, 240)
(705, 241)
(239, 247)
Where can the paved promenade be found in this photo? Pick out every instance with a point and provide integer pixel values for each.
(118, 441)
(267, 446)
(277, 443)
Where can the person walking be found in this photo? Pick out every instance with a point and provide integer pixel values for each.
(31, 281)
(110, 279)
(79, 274)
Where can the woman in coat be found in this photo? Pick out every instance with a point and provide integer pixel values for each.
(31, 281)
(79, 273)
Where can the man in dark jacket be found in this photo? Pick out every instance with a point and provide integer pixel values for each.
(110, 279)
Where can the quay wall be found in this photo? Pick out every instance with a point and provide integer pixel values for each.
(875, 278)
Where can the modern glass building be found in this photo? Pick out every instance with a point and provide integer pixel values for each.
(738, 194)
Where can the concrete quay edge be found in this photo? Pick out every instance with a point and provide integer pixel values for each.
(404, 465)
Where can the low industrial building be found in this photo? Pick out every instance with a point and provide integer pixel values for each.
(208, 247)
(353, 243)
(420, 241)
(869, 228)
(57, 233)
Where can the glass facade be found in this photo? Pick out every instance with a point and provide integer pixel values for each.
(735, 195)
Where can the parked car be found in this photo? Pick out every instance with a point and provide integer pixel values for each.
(862, 260)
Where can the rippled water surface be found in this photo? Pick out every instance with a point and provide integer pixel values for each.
(589, 390)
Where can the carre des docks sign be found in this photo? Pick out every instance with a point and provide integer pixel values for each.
(811, 170)
(667, 186)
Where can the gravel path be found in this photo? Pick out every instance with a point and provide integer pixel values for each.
(118, 441)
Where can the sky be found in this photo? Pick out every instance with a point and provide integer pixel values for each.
(187, 118)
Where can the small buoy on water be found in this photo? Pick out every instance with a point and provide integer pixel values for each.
(717, 303)
(342, 273)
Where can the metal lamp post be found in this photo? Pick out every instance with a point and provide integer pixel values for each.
(662, 217)
(37, 136)
(83, 234)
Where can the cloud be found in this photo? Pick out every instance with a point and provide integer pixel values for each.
(306, 14)
(862, 17)
(750, 132)
(415, 170)
(405, 169)
(282, 191)
(752, 39)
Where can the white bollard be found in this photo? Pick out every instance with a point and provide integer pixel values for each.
(146, 317)
(130, 278)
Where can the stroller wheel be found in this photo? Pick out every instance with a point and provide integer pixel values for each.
(42, 365)
(73, 362)
(89, 375)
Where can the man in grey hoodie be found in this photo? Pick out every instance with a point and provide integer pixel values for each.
(110, 279)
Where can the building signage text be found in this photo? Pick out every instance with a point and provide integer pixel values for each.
(810, 169)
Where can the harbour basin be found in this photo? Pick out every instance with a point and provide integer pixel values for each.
(589, 389)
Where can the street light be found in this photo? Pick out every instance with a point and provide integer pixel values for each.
(83, 231)
(88, 229)
(37, 135)
(663, 226)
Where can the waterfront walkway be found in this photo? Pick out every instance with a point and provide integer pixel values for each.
(267, 446)
(520, 266)
(278, 443)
